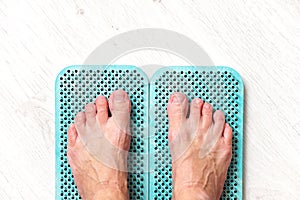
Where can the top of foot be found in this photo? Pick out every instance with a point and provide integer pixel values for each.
(98, 146)
(200, 148)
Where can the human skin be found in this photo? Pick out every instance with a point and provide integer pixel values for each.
(200, 148)
(96, 179)
(199, 167)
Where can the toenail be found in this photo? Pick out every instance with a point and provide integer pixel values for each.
(79, 118)
(197, 101)
(101, 99)
(89, 108)
(177, 99)
(119, 96)
(207, 106)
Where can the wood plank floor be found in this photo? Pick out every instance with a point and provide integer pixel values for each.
(260, 39)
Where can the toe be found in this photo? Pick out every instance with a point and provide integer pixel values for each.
(195, 112)
(102, 110)
(206, 117)
(72, 135)
(177, 112)
(120, 107)
(90, 113)
(227, 134)
(219, 122)
(80, 120)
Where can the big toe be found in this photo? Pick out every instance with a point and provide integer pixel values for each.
(177, 113)
(120, 107)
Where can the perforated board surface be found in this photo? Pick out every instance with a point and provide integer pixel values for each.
(223, 88)
(79, 85)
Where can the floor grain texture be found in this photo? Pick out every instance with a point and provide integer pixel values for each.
(260, 39)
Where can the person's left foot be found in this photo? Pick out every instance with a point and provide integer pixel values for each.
(98, 146)
(201, 148)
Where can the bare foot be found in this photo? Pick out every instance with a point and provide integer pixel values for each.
(97, 146)
(200, 148)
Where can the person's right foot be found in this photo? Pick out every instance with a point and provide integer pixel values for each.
(98, 146)
(201, 149)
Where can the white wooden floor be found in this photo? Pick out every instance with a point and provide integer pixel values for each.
(260, 39)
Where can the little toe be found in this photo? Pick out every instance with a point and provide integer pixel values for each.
(195, 111)
(227, 134)
(120, 107)
(206, 116)
(219, 122)
(177, 112)
(80, 121)
(90, 113)
(102, 110)
(72, 135)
